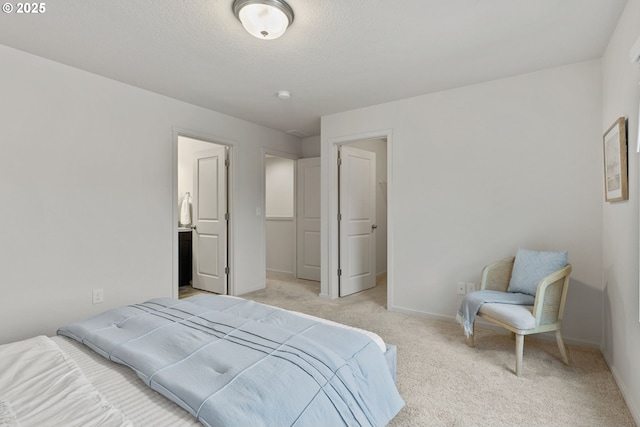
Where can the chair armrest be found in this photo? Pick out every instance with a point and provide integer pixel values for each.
(496, 276)
(551, 296)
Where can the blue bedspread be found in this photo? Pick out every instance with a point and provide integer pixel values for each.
(235, 362)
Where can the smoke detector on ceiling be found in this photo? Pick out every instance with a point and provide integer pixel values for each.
(283, 94)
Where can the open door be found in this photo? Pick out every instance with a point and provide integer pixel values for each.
(357, 220)
(308, 221)
(210, 219)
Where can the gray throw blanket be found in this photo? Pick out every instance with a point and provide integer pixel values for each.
(472, 302)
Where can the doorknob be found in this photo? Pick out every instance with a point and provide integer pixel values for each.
(373, 226)
(193, 227)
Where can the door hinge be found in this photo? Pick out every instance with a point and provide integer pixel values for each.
(226, 216)
(339, 161)
(227, 162)
(339, 217)
(226, 270)
(339, 272)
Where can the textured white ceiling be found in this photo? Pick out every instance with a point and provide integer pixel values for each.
(338, 54)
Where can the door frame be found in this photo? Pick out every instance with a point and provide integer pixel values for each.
(329, 282)
(213, 139)
(263, 186)
(348, 285)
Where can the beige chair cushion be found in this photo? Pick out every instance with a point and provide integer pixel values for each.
(517, 316)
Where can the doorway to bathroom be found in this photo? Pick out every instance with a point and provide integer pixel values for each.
(203, 229)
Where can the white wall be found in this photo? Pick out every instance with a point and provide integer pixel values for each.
(477, 172)
(621, 96)
(86, 172)
(279, 179)
(311, 147)
(281, 239)
(279, 213)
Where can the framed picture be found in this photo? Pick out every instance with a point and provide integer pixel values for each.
(615, 162)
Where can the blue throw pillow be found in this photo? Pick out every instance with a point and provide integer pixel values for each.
(532, 266)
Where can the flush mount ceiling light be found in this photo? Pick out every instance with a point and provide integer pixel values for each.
(264, 19)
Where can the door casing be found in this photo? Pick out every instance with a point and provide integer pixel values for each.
(177, 132)
(263, 209)
(329, 286)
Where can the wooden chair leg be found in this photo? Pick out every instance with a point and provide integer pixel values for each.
(470, 337)
(519, 351)
(563, 350)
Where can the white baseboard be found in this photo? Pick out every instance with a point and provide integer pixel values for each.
(280, 271)
(631, 404)
(420, 313)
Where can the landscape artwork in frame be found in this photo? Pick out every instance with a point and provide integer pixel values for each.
(615, 162)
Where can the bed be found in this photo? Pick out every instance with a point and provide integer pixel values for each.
(204, 360)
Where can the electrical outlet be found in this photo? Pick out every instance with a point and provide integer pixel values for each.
(462, 288)
(471, 287)
(98, 296)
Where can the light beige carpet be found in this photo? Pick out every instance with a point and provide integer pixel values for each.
(446, 383)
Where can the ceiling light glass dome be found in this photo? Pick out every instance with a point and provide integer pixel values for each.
(264, 19)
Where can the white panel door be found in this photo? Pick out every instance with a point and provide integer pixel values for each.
(209, 220)
(357, 176)
(308, 215)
